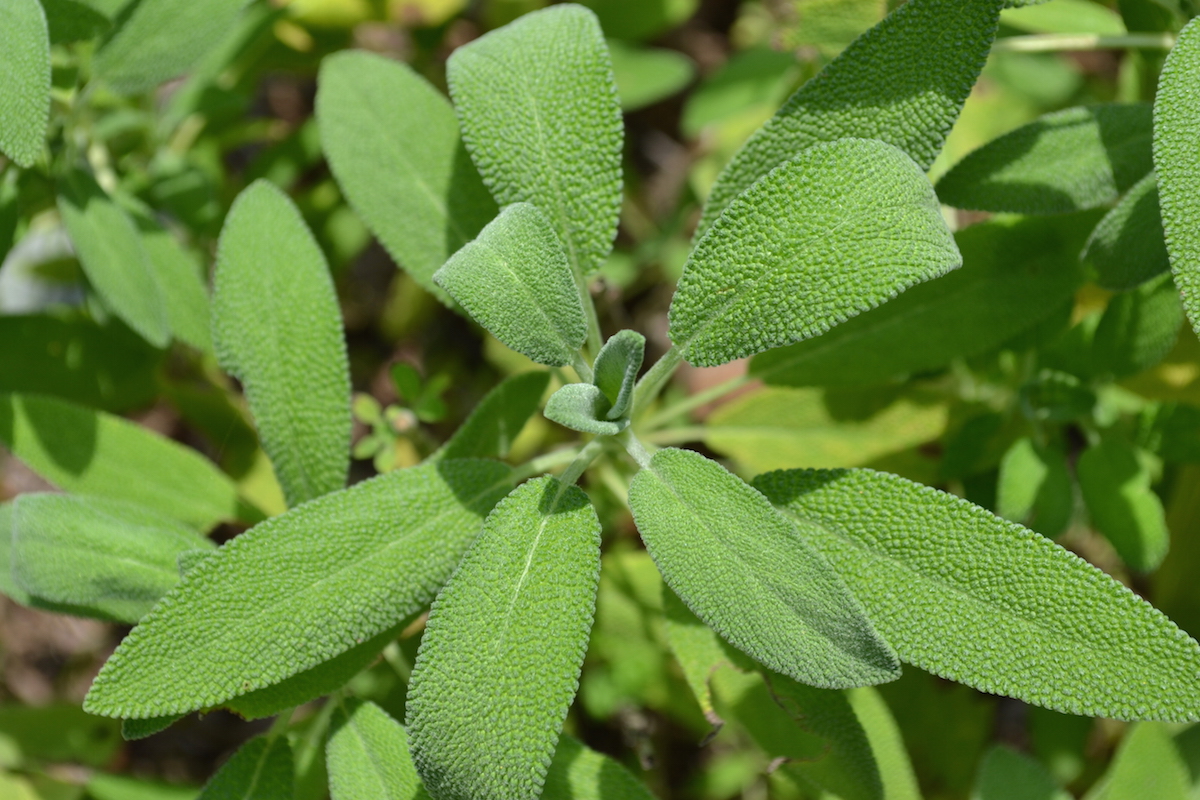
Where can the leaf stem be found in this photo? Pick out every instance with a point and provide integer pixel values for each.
(594, 342)
(586, 456)
(635, 448)
(653, 381)
(581, 368)
(695, 401)
(1057, 42)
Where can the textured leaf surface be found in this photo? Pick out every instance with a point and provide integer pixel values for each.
(1035, 488)
(1128, 246)
(1014, 274)
(583, 407)
(514, 279)
(392, 141)
(1069, 160)
(1176, 139)
(1116, 489)
(698, 650)
(158, 39)
(92, 453)
(113, 257)
(326, 576)
(904, 82)
(973, 598)
(1138, 329)
(24, 80)
(1147, 764)
(367, 756)
(580, 773)
(178, 275)
(499, 662)
(278, 329)
(539, 112)
(102, 557)
(1007, 775)
(134, 729)
(495, 423)
(8, 587)
(748, 573)
(616, 370)
(828, 235)
(261, 770)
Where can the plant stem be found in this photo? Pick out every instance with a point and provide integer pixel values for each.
(695, 401)
(582, 369)
(635, 448)
(653, 381)
(593, 322)
(1057, 42)
(586, 456)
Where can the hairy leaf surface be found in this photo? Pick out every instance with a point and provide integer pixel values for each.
(982, 601)
(495, 423)
(499, 662)
(393, 144)
(1128, 246)
(299, 590)
(367, 756)
(748, 573)
(260, 770)
(278, 329)
(583, 407)
(616, 370)
(539, 112)
(24, 80)
(1115, 483)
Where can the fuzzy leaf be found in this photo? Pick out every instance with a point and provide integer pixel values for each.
(278, 329)
(1035, 488)
(970, 597)
(111, 254)
(580, 773)
(583, 407)
(546, 82)
(834, 232)
(1014, 274)
(903, 82)
(1007, 775)
(1138, 329)
(134, 729)
(749, 575)
(515, 281)
(104, 558)
(499, 662)
(367, 756)
(616, 370)
(393, 144)
(1070, 160)
(381, 549)
(89, 452)
(260, 770)
(156, 40)
(1176, 138)
(24, 81)
(1116, 489)
(1128, 246)
(699, 652)
(495, 423)
(179, 277)
(9, 587)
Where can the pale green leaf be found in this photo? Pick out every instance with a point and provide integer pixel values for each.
(723, 549)
(393, 144)
(1147, 764)
(514, 279)
(367, 756)
(156, 40)
(646, 75)
(834, 232)
(93, 453)
(262, 769)
(1128, 247)
(698, 650)
(112, 256)
(982, 601)
(1065, 16)
(616, 370)
(1115, 482)
(300, 589)
(1035, 488)
(495, 423)
(539, 112)
(24, 80)
(278, 329)
(1008, 775)
(752, 79)
(904, 82)
(580, 773)
(500, 659)
(105, 558)
(120, 787)
(1176, 138)
(583, 407)
(1138, 329)
(179, 275)
(1069, 160)
(887, 744)
(1015, 273)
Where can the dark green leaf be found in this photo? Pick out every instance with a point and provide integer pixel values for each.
(134, 729)
(261, 770)
(1007, 775)
(1128, 246)
(367, 756)
(1116, 489)
(616, 370)
(73, 20)
(495, 423)
(580, 773)
(1138, 329)
(24, 80)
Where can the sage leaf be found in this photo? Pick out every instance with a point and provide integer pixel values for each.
(9, 587)
(1128, 247)
(260, 770)
(699, 652)
(887, 745)
(616, 370)
(326, 576)
(1115, 483)
(1015, 273)
(1007, 775)
(495, 423)
(583, 407)
(102, 558)
(1176, 133)
(73, 20)
(834, 232)
(278, 329)
(24, 81)
(515, 281)
(500, 659)
(1069, 160)
(1147, 764)
(367, 756)
(179, 277)
(580, 773)
(546, 81)
(647, 75)
(1063, 16)
(1035, 488)
(393, 144)
(112, 256)
(134, 729)
(903, 82)
(1138, 329)
(93, 453)
(968, 596)
(723, 549)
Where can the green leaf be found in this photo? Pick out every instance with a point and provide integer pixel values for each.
(103, 558)
(179, 276)
(754, 78)
(495, 423)
(1115, 482)
(393, 144)
(646, 75)
(904, 82)
(583, 407)
(1138, 329)
(112, 256)
(278, 329)
(1128, 246)
(260, 770)
(545, 81)
(616, 370)
(1015, 273)
(1069, 160)
(156, 40)
(514, 279)
(367, 756)
(968, 596)
(73, 20)
(1007, 775)
(580, 773)
(134, 729)
(1147, 764)
(834, 232)
(699, 652)
(1176, 133)
(92, 453)
(326, 576)
(511, 624)
(1035, 488)
(119, 787)
(57, 733)
(8, 586)
(1065, 16)
(748, 573)
(24, 81)
(887, 744)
